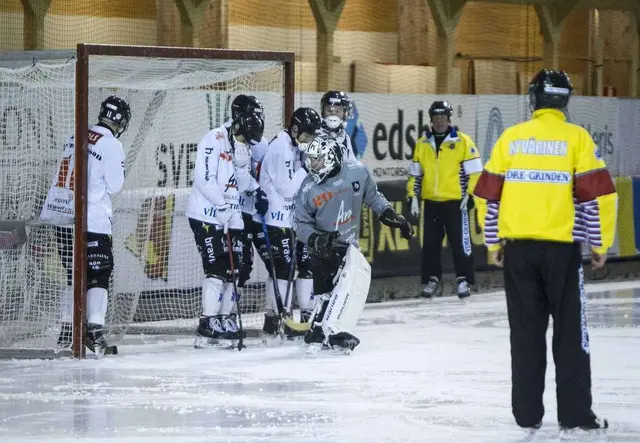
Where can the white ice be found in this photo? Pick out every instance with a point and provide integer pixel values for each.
(425, 372)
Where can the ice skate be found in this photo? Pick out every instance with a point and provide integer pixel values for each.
(96, 341)
(588, 432)
(231, 329)
(209, 331)
(433, 288)
(463, 289)
(529, 433)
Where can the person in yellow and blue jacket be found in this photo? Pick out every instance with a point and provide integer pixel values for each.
(445, 168)
(547, 190)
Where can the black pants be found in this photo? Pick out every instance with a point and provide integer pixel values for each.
(214, 251)
(542, 279)
(441, 217)
(324, 271)
(99, 257)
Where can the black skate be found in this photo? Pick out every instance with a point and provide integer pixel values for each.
(344, 340)
(433, 288)
(314, 335)
(96, 341)
(596, 427)
(231, 330)
(210, 327)
(464, 290)
(66, 335)
(271, 324)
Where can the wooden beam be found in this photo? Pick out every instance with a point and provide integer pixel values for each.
(551, 17)
(446, 15)
(191, 12)
(327, 14)
(635, 54)
(33, 28)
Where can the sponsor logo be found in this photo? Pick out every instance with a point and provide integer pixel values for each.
(538, 176)
(356, 186)
(538, 147)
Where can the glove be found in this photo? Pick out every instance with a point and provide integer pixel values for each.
(262, 204)
(320, 245)
(224, 214)
(390, 218)
(415, 207)
(241, 155)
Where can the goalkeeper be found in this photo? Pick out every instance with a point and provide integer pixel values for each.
(105, 179)
(327, 220)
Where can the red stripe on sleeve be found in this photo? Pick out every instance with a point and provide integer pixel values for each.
(489, 186)
(593, 184)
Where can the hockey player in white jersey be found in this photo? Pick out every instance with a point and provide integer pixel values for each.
(327, 220)
(336, 108)
(221, 173)
(281, 174)
(252, 200)
(105, 179)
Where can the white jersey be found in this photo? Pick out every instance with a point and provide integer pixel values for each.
(344, 141)
(281, 175)
(257, 154)
(105, 178)
(216, 180)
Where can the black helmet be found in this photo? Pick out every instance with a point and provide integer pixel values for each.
(250, 125)
(114, 111)
(245, 103)
(304, 120)
(550, 88)
(440, 108)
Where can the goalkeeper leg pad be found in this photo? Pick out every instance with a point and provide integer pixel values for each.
(349, 294)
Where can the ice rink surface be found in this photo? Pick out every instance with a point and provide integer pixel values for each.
(425, 372)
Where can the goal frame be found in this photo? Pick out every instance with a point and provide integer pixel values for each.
(83, 54)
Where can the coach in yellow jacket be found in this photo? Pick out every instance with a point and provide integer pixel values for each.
(548, 190)
(445, 168)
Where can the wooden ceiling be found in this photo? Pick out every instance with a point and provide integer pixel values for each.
(629, 5)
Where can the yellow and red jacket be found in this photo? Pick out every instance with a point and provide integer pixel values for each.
(546, 180)
(445, 174)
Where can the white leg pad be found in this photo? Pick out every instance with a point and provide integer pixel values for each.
(66, 305)
(96, 305)
(211, 296)
(228, 299)
(304, 293)
(349, 295)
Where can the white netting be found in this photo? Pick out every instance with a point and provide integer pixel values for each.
(158, 271)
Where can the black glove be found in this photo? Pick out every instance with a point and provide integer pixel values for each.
(320, 245)
(262, 204)
(390, 218)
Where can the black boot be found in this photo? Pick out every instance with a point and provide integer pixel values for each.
(95, 338)
(271, 324)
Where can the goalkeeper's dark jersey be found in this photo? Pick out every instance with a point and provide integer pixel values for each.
(336, 203)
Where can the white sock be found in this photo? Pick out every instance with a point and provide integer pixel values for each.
(228, 301)
(270, 295)
(304, 292)
(282, 287)
(66, 305)
(96, 305)
(211, 296)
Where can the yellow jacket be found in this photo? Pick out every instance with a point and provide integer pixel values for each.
(448, 174)
(546, 180)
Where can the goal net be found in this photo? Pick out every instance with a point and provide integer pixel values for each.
(174, 100)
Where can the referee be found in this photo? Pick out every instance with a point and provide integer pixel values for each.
(445, 168)
(548, 190)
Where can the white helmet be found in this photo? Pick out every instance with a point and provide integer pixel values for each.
(323, 156)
